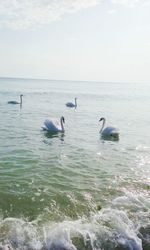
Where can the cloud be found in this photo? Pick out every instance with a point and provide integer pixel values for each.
(130, 3)
(25, 14)
(22, 14)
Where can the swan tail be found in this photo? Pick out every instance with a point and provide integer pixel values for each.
(47, 124)
(44, 128)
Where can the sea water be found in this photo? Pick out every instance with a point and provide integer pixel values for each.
(74, 190)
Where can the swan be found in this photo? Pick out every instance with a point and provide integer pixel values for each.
(15, 102)
(108, 132)
(50, 126)
(71, 104)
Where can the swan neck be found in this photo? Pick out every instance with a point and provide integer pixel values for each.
(75, 102)
(62, 125)
(103, 124)
(21, 99)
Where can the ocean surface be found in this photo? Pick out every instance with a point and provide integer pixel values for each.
(74, 190)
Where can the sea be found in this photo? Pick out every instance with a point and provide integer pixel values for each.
(74, 190)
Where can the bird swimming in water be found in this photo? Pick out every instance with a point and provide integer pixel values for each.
(51, 126)
(15, 102)
(108, 132)
(71, 104)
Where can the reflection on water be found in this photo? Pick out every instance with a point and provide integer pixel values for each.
(51, 135)
(114, 137)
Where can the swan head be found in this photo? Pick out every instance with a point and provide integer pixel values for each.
(21, 95)
(63, 119)
(101, 119)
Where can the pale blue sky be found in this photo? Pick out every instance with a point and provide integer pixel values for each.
(100, 40)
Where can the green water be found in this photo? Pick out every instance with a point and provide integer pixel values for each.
(71, 184)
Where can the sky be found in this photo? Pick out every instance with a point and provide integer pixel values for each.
(80, 40)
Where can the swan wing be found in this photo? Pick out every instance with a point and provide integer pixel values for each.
(70, 104)
(13, 102)
(50, 126)
(110, 131)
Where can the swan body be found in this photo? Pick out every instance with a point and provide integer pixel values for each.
(50, 126)
(108, 132)
(71, 104)
(15, 102)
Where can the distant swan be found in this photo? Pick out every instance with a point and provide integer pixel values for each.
(15, 102)
(50, 126)
(72, 105)
(109, 132)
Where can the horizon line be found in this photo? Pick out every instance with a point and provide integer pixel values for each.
(47, 79)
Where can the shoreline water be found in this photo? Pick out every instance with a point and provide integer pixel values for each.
(77, 191)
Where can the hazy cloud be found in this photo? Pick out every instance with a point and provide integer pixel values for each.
(20, 14)
(130, 3)
(23, 14)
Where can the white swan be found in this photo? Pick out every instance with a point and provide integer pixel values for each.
(72, 105)
(15, 102)
(108, 132)
(50, 126)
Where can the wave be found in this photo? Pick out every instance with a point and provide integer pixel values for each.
(110, 228)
